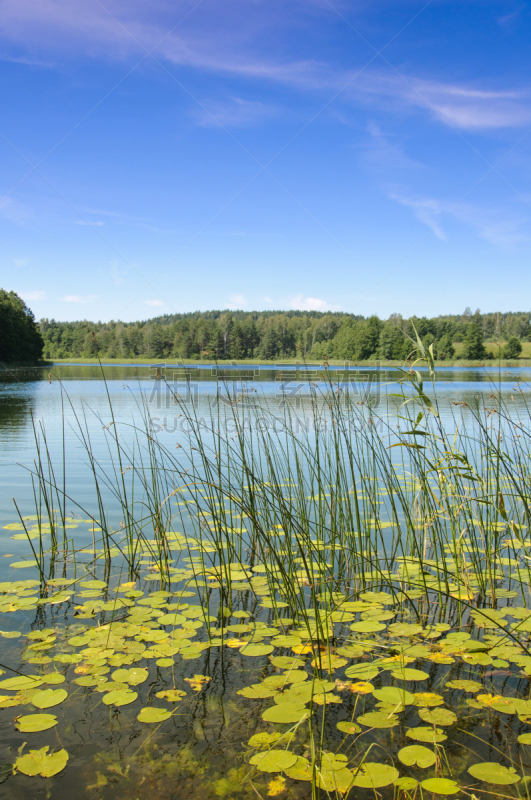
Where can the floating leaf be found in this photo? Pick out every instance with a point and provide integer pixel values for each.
(285, 712)
(363, 672)
(21, 682)
(348, 727)
(393, 695)
(378, 719)
(38, 762)
(53, 678)
(134, 676)
(408, 674)
(152, 714)
(365, 626)
(273, 760)
(406, 784)
(427, 699)
(425, 734)
(172, 695)
(198, 681)
(404, 629)
(492, 772)
(438, 716)
(417, 755)
(47, 698)
(262, 741)
(256, 650)
(525, 738)
(440, 786)
(372, 775)
(32, 723)
(119, 697)
(286, 662)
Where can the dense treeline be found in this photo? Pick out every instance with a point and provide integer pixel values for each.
(20, 336)
(283, 334)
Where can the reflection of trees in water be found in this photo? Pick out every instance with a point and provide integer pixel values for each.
(16, 399)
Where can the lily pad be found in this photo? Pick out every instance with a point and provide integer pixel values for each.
(440, 786)
(378, 719)
(38, 762)
(417, 755)
(492, 772)
(256, 650)
(438, 716)
(426, 734)
(151, 714)
(362, 672)
(348, 727)
(393, 695)
(285, 712)
(119, 697)
(465, 685)
(366, 626)
(21, 682)
(32, 723)
(408, 674)
(273, 760)
(404, 629)
(172, 695)
(134, 676)
(525, 738)
(372, 775)
(47, 698)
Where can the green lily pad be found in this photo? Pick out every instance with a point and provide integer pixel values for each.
(38, 762)
(404, 629)
(264, 740)
(93, 584)
(492, 772)
(151, 714)
(417, 755)
(406, 784)
(366, 626)
(438, 716)
(47, 698)
(171, 619)
(53, 678)
(119, 697)
(394, 695)
(22, 564)
(285, 712)
(348, 727)
(134, 676)
(256, 650)
(465, 685)
(378, 719)
(440, 786)
(525, 738)
(372, 775)
(408, 674)
(273, 760)
(32, 723)
(286, 662)
(164, 662)
(426, 734)
(362, 672)
(21, 682)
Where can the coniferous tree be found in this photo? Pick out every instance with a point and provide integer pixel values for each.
(20, 337)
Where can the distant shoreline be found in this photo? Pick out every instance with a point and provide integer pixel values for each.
(175, 363)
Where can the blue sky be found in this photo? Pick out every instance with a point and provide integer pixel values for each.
(371, 157)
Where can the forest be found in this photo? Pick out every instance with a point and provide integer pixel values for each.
(269, 335)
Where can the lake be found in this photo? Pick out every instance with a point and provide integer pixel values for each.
(281, 538)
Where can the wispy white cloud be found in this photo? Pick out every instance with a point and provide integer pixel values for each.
(14, 211)
(236, 301)
(155, 303)
(426, 209)
(97, 223)
(234, 113)
(383, 151)
(79, 298)
(491, 224)
(33, 294)
(302, 303)
(20, 262)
